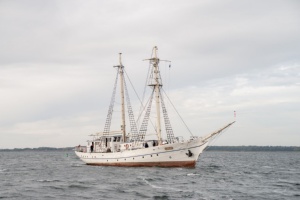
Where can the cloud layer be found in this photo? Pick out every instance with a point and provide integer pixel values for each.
(57, 58)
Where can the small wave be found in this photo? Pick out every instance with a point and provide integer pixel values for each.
(148, 179)
(214, 166)
(3, 170)
(285, 184)
(281, 192)
(161, 197)
(141, 194)
(192, 174)
(153, 186)
(79, 186)
(12, 196)
(289, 182)
(266, 166)
(77, 165)
(45, 181)
(158, 187)
(56, 187)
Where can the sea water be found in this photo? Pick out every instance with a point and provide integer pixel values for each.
(217, 175)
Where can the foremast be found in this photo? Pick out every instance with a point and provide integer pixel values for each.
(121, 73)
(124, 97)
(123, 127)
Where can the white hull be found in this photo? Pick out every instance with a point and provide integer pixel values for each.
(168, 155)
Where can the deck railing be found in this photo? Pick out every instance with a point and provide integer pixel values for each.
(80, 149)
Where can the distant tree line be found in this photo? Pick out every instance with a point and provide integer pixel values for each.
(40, 149)
(253, 148)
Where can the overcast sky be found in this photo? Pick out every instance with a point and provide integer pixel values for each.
(57, 75)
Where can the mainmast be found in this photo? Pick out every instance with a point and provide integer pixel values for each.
(157, 85)
(121, 73)
(157, 93)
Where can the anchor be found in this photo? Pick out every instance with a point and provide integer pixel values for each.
(189, 154)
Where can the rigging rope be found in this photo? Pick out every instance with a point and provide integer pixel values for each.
(133, 127)
(145, 87)
(110, 110)
(142, 107)
(168, 127)
(177, 112)
(143, 128)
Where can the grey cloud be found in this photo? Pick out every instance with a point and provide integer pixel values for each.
(57, 56)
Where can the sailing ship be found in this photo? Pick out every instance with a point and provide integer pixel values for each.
(133, 149)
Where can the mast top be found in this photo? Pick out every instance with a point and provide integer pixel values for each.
(120, 59)
(155, 59)
(155, 51)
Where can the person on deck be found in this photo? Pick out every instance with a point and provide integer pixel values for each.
(92, 147)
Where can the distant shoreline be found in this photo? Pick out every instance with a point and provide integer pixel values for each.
(253, 148)
(209, 148)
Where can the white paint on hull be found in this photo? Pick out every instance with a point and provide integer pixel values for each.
(152, 156)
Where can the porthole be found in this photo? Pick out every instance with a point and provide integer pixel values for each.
(143, 156)
(170, 157)
(157, 154)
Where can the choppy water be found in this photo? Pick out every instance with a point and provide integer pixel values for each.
(218, 175)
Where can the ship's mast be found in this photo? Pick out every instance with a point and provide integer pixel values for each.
(154, 80)
(157, 84)
(157, 93)
(121, 72)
